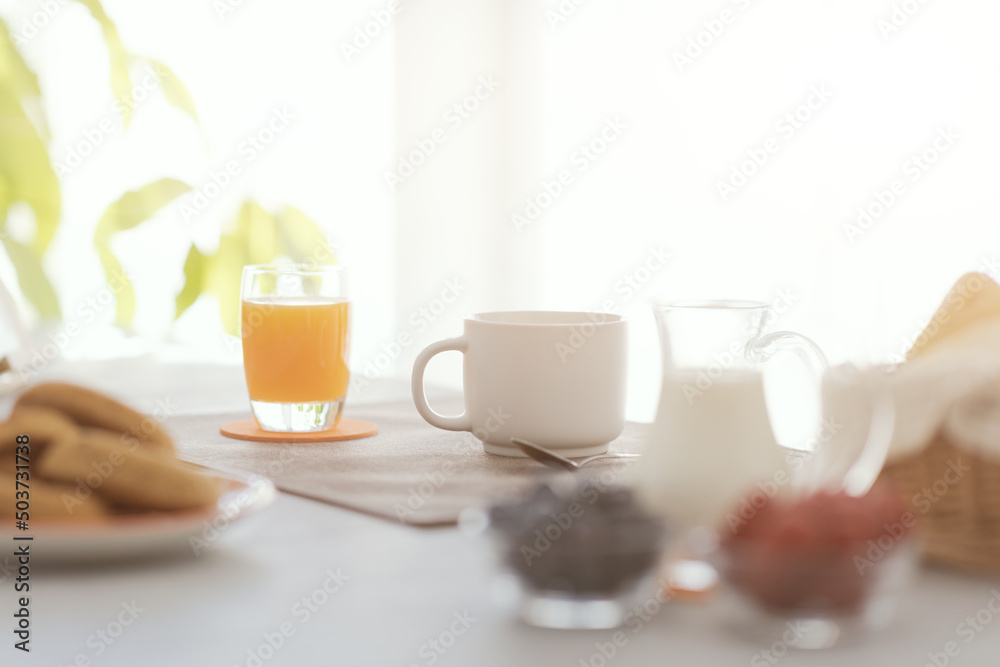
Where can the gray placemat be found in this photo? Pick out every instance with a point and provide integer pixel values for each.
(411, 472)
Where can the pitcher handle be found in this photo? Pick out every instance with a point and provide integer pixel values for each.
(764, 348)
(768, 345)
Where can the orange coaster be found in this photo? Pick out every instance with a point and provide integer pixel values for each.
(347, 429)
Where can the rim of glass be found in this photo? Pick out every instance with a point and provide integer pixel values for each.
(573, 318)
(292, 267)
(714, 304)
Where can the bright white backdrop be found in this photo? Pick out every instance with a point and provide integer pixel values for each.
(692, 92)
(701, 88)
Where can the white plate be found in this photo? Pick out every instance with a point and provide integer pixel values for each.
(154, 534)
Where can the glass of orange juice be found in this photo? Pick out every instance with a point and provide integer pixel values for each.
(295, 326)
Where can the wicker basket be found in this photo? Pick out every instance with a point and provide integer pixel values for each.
(958, 510)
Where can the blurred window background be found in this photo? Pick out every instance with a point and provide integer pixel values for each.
(838, 159)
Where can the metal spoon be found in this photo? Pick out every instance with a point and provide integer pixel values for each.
(553, 460)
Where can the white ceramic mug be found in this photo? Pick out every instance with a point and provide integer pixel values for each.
(556, 379)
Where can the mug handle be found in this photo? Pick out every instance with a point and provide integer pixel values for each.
(459, 422)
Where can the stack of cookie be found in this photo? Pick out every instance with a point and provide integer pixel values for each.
(88, 456)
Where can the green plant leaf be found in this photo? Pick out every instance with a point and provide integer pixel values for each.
(251, 239)
(4, 202)
(254, 237)
(31, 277)
(174, 90)
(16, 75)
(13, 67)
(223, 279)
(124, 293)
(194, 280)
(136, 206)
(25, 167)
(121, 82)
(257, 231)
(133, 208)
(302, 239)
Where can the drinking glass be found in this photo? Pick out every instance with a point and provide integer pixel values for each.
(295, 326)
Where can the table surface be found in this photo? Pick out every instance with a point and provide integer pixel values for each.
(402, 596)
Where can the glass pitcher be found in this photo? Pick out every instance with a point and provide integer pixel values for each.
(712, 438)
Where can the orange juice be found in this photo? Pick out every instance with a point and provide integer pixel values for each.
(295, 348)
